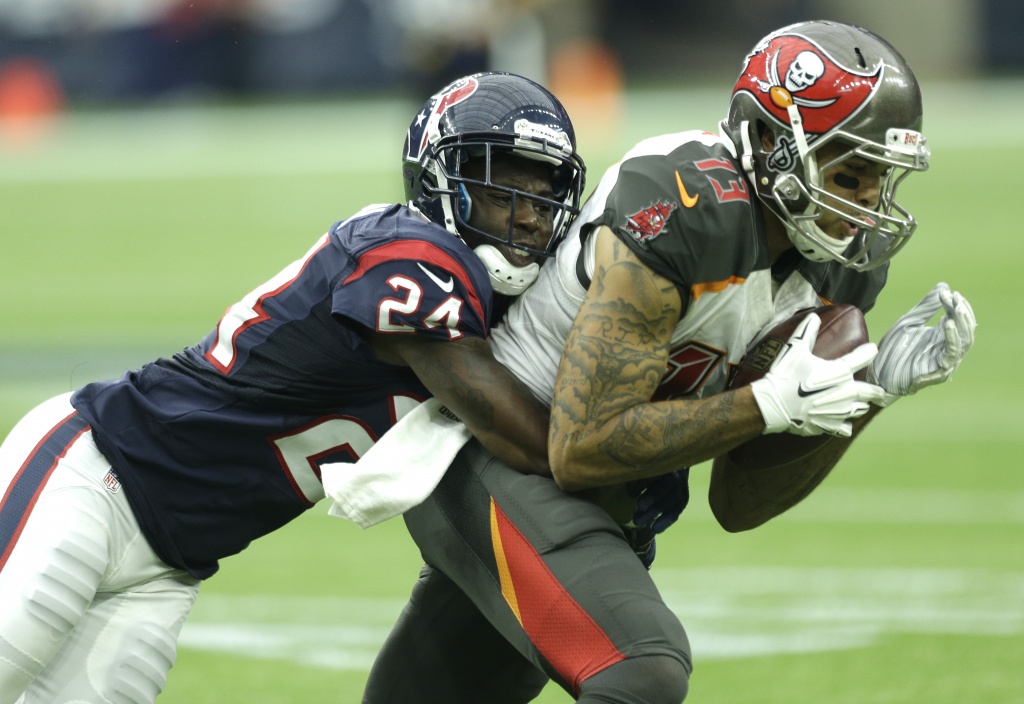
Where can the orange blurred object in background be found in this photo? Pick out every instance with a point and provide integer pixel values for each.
(30, 97)
(587, 77)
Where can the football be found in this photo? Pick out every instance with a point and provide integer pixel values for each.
(843, 330)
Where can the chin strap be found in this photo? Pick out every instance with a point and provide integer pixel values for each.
(747, 157)
(506, 279)
(446, 201)
(797, 123)
(811, 243)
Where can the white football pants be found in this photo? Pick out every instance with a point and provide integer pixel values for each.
(88, 612)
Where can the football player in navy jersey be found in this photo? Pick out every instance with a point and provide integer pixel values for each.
(121, 497)
(690, 246)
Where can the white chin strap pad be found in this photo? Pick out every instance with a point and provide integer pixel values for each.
(822, 249)
(506, 279)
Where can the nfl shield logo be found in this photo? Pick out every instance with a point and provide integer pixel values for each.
(112, 483)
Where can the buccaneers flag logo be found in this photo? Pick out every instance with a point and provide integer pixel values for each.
(789, 70)
(648, 223)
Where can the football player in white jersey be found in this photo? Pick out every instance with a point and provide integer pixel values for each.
(690, 246)
(121, 498)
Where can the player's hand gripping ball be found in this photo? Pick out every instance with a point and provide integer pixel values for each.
(843, 330)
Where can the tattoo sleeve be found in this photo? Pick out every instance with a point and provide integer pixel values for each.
(605, 428)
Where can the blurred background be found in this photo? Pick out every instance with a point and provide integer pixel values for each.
(80, 53)
(161, 158)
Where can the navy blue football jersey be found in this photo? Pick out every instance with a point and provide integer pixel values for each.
(222, 443)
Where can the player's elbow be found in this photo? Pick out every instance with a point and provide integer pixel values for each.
(577, 466)
(567, 468)
(569, 483)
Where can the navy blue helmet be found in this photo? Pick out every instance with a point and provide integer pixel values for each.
(479, 116)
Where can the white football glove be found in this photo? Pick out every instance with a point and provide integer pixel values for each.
(807, 395)
(912, 356)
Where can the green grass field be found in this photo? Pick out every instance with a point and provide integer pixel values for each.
(901, 580)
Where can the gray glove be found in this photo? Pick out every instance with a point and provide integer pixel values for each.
(912, 356)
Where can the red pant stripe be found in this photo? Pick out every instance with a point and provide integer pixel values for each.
(561, 629)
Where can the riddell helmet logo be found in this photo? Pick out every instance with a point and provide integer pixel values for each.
(790, 70)
(428, 118)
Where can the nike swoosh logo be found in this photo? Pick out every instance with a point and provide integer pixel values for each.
(803, 393)
(446, 286)
(688, 200)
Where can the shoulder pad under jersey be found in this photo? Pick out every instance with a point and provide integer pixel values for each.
(685, 208)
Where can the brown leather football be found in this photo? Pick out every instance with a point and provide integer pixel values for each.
(843, 330)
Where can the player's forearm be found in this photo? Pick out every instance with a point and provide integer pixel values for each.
(605, 429)
(649, 439)
(496, 407)
(745, 492)
(743, 497)
(503, 415)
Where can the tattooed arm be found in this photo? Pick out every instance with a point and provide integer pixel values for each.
(604, 427)
(500, 411)
(745, 493)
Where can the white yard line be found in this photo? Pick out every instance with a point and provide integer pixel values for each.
(729, 612)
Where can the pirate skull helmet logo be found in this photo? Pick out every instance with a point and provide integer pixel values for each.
(817, 83)
(806, 68)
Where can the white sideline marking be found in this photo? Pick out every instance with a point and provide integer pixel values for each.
(728, 612)
(739, 611)
(330, 633)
